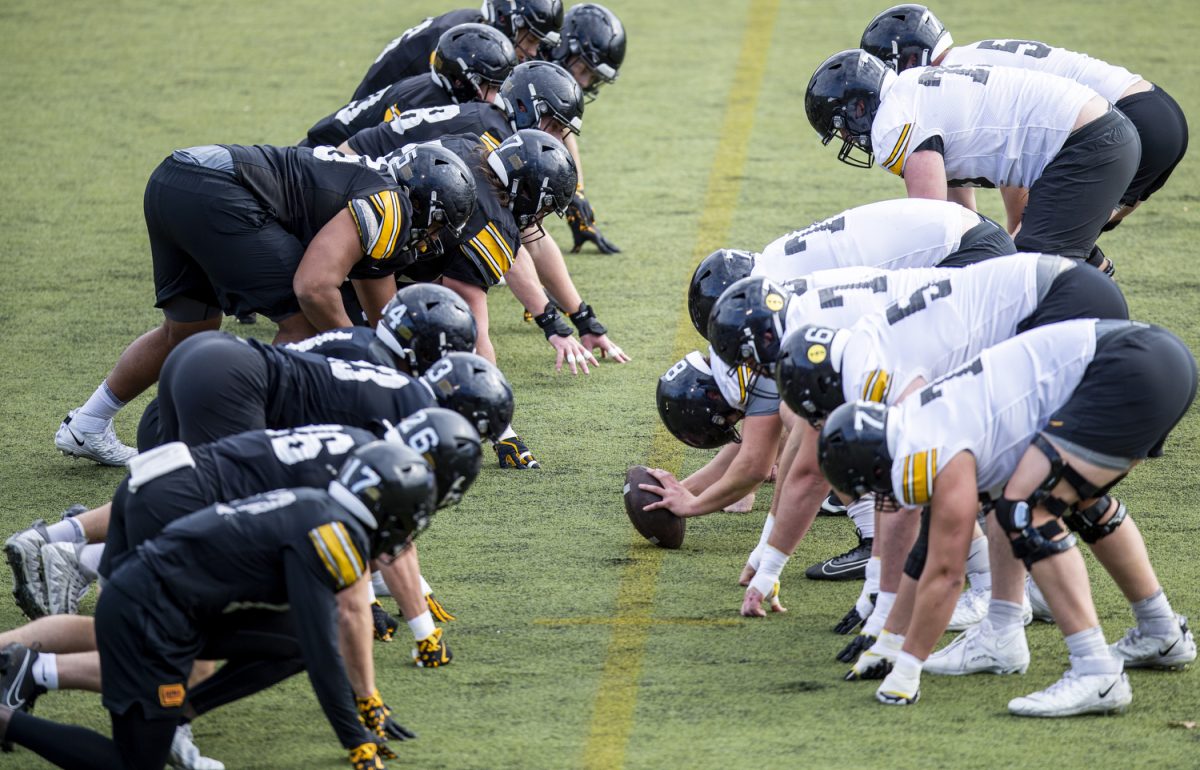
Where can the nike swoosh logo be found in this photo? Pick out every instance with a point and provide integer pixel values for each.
(1168, 650)
(1106, 692)
(78, 441)
(9, 700)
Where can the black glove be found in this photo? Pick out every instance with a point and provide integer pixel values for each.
(852, 619)
(586, 322)
(552, 323)
(857, 645)
(385, 624)
(582, 221)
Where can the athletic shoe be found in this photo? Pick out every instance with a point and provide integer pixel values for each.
(831, 506)
(876, 661)
(24, 553)
(512, 453)
(1141, 651)
(186, 756)
(979, 650)
(896, 690)
(18, 691)
(103, 447)
(65, 582)
(851, 565)
(432, 652)
(1075, 694)
(247, 319)
(1037, 602)
(971, 608)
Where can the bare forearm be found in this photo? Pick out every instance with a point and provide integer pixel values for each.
(355, 636)
(324, 308)
(552, 272)
(712, 471)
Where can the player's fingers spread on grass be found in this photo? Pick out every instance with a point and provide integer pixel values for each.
(752, 604)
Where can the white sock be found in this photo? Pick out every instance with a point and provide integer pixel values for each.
(45, 670)
(89, 559)
(1090, 654)
(979, 571)
(862, 513)
(94, 416)
(756, 555)
(907, 665)
(1155, 616)
(66, 531)
(883, 607)
(422, 625)
(507, 434)
(426, 589)
(865, 604)
(1005, 616)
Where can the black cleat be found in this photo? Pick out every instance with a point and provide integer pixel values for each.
(831, 506)
(18, 691)
(851, 565)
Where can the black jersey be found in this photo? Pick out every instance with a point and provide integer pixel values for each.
(310, 389)
(352, 344)
(482, 119)
(303, 188)
(261, 460)
(417, 92)
(410, 53)
(489, 242)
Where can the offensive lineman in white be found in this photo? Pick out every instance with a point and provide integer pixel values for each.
(1054, 418)
(945, 127)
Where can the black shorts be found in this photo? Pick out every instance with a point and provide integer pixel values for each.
(139, 516)
(1080, 292)
(1139, 385)
(214, 245)
(453, 265)
(212, 385)
(1080, 188)
(147, 645)
(1163, 130)
(983, 241)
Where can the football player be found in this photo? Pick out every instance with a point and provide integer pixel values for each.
(942, 128)
(1081, 403)
(255, 583)
(527, 23)
(910, 36)
(276, 230)
(592, 49)
(952, 316)
(469, 64)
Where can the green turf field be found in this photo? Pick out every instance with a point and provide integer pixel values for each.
(577, 643)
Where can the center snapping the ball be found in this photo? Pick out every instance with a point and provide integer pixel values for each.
(659, 526)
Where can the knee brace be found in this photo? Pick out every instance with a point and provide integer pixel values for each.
(914, 565)
(1087, 524)
(1060, 471)
(1031, 544)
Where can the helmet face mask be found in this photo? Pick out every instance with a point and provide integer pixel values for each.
(540, 89)
(853, 451)
(746, 323)
(541, 18)
(393, 487)
(593, 44)
(841, 100)
(538, 174)
(424, 322)
(715, 273)
(692, 407)
(440, 188)
(471, 57)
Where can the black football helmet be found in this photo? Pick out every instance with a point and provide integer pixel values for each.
(472, 386)
(449, 444)
(538, 173)
(544, 18)
(852, 449)
(809, 380)
(393, 487)
(440, 187)
(715, 273)
(424, 322)
(842, 99)
(538, 89)
(692, 407)
(471, 56)
(906, 36)
(746, 323)
(594, 35)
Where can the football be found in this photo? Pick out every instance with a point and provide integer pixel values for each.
(659, 526)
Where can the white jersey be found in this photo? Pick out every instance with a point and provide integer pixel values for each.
(1108, 80)
(941, 325)
(840, 298)
(909, 232)
(744, 389)
(999, 126)
(991, 407)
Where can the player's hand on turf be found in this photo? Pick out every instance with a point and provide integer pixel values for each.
(877, 660)
(370, 756)
(437, 609)
(385, 624)
(608, 349)
(377, 717)
(850, 621)
(752, 602)
(746, 575)
(857, 646)
(570, 351)
(582, 221)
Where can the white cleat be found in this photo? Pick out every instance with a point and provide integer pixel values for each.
(1037, 602)
(971, 608)
(1076, 694)
(979, 650)
(186, 756)
(1138, 650)
(103, 447)
(897, 690)
(65, 582)
(24, 553)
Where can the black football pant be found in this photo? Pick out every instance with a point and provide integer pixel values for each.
(137, 743)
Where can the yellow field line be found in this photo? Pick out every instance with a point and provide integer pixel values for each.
(616, 697)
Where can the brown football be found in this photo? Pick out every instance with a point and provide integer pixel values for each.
(659, 526)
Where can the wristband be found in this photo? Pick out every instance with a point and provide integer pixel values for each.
(586, 322)
(552, 323)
